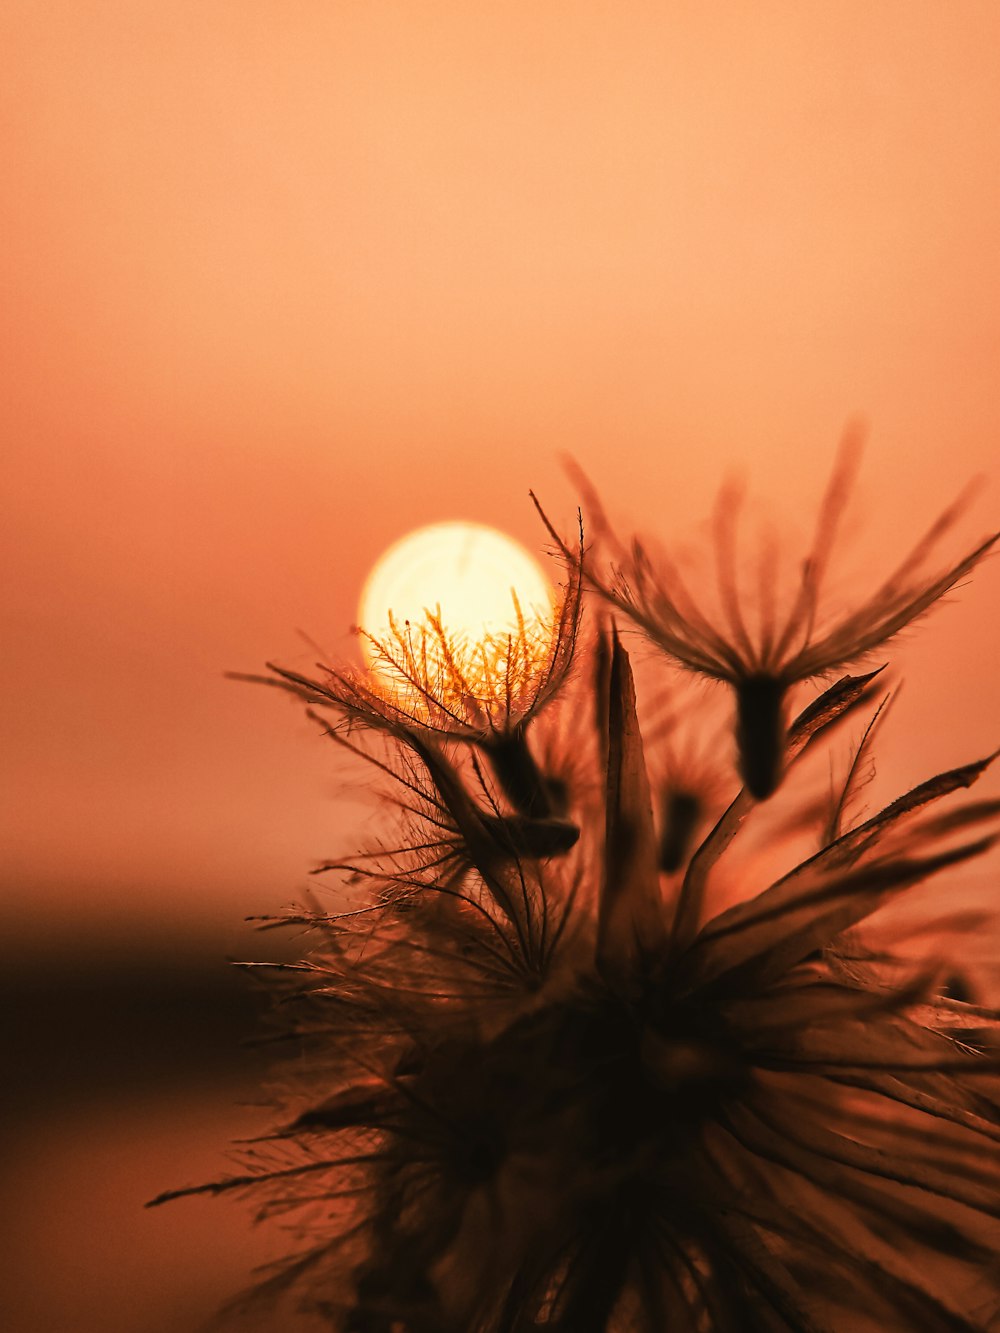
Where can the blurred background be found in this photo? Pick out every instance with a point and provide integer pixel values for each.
(280, 282)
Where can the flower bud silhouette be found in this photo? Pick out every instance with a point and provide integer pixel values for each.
(761, 663)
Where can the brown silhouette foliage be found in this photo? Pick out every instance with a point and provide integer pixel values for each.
(542, 1083)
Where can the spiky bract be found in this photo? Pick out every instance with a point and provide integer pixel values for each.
(543, 1083)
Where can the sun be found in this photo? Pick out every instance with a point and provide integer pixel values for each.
(473, 576)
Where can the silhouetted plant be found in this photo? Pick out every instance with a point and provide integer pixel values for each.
(542, 1083)
(762, 658)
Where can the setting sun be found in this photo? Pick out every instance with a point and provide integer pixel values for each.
(475, 578)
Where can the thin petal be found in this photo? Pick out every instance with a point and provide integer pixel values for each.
(754, 943)
(630, 925)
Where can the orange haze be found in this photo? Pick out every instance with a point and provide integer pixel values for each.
(283, 280)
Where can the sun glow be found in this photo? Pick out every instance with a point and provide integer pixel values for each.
(456, 600)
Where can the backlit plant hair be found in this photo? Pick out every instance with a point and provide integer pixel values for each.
(546, 1075)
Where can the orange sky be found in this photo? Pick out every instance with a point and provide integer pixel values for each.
(280, 281)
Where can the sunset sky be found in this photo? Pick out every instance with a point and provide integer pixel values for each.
(281, 281)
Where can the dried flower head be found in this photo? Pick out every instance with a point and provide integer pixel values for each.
(560, 1091)
(427, 681)
(762, 658)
